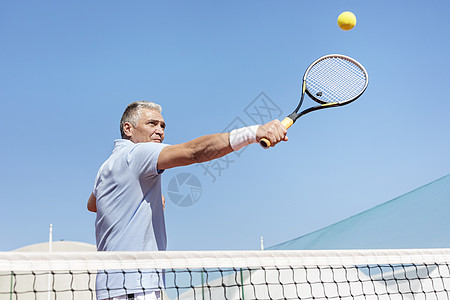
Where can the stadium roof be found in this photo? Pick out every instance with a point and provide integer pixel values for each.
(59, 246)
(418, 219)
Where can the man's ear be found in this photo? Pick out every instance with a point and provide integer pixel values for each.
(127, 128)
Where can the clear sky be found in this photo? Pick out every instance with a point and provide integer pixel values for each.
(69, 68)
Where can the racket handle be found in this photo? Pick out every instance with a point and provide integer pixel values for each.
(287, 122)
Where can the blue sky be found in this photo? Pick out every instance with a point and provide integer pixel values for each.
(68, 69)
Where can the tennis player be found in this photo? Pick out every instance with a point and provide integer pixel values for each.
(127, 191)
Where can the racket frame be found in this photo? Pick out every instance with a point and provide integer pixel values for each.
(294, 116)
(323, 104)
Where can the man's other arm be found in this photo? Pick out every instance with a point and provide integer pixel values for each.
(92, 203)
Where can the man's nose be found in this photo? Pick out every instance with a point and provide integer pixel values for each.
(159, 130)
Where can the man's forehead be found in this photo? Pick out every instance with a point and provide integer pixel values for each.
(151, 114)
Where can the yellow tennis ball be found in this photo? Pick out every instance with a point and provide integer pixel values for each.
(346, 20)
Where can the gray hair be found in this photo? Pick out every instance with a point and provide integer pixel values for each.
(132, 113)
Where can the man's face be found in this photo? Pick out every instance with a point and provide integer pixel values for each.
(150, 127)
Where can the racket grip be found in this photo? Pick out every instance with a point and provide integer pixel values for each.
(265, 143)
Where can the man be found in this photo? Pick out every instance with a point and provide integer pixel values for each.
(127, 192)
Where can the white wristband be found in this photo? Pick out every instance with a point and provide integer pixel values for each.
(243, 136)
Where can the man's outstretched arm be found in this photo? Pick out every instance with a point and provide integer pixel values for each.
(213, 146)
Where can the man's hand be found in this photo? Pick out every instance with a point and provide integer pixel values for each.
(274, 131)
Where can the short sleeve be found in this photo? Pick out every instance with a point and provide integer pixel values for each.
(143, 158)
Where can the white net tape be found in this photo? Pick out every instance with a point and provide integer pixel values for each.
(342, 274)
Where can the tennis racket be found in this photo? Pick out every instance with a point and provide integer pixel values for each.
(332, 80)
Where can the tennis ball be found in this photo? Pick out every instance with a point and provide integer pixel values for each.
(346, 20)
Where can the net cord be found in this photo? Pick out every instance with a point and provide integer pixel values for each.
(60, 261)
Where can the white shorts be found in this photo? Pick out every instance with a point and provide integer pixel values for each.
(139, 296)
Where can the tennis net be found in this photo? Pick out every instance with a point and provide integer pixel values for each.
(322, 274)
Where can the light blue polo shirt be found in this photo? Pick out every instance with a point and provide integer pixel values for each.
(130, 215)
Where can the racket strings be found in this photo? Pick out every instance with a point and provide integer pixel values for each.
(335, 79)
